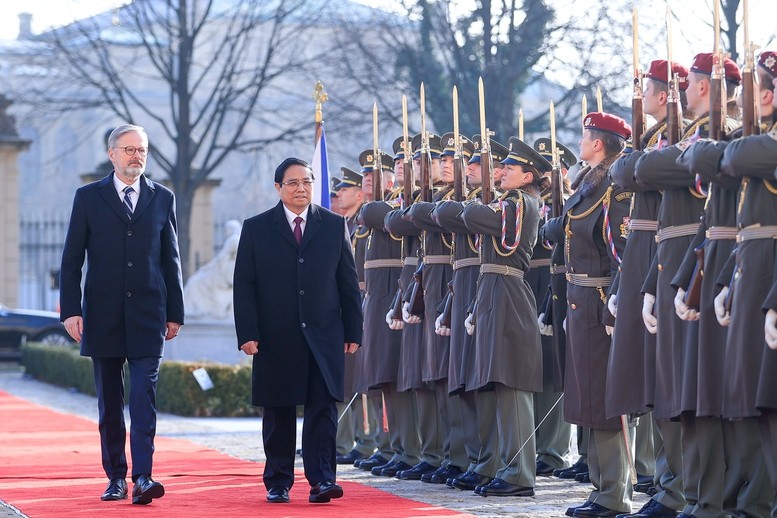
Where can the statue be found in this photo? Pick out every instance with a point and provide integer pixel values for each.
(208, 293)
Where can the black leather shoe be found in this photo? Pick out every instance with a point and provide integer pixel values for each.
(323, 492)
(116, 490)
(417, 471)
(571, 471)
(469, 481)
(644, 483)
(278, 495)
(571, 510)
(375, 460)
(583, 477)
(145, 490)
(653, 509)
(544, 469)
(390, 470)
(499, 487)
(349, 458)
(441, 474)
(685, 515)
(594, 511)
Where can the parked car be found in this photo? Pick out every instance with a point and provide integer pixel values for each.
(18, 326)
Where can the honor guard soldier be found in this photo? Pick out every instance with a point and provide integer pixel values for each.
(745, 280)
(508, 353)
(593, 227)
(632, 363)
(554, 433)
(684, 196)
(354, 440)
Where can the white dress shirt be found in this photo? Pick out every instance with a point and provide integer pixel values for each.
(290, 216)
(119, 185)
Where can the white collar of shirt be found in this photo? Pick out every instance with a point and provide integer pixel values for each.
(290, 217)
(120, 186)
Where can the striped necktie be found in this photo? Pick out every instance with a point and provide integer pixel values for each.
(127, 201)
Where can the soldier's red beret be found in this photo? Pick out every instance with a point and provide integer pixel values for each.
(768, 60)
(608, 123)
(702, 63)
(658, 72)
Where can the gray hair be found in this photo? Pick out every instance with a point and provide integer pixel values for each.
(121, 130)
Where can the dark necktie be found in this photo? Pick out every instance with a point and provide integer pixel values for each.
(127, 201)
(298, 229)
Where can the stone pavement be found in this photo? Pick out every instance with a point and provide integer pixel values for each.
(241, 437)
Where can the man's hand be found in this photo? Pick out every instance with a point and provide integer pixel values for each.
(612, 305)
(650, 320)
(545, 329)
(396, 325)
(350, 347)
(682, 309)
(770, 328)
(172, 330)
(250, 348)
(407, 317)
(724, 318)
(468, 325)
(74, 327)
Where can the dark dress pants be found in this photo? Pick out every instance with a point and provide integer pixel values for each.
(109, 384)
(319, 432)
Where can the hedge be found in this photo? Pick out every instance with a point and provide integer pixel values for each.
(177, 390)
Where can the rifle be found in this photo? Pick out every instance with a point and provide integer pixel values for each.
(407, 164)
(556, 182)
(673, 109)
(485, 149)
(717, 83)
(417, 306)
(426, 158)
(447, 307)
(692, 297)
(750, 119)
(396, 303)
(377, 163)
(637, 111)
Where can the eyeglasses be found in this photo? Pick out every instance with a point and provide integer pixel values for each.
(307, 183)
(131, 150)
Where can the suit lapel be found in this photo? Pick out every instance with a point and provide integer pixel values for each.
(108, 192)
(311, 225)
(147, 193)
(282, 224)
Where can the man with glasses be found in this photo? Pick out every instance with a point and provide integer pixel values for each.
(297, 309)
(132, 302)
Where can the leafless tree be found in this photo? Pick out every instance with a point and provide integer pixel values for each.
(209, 79)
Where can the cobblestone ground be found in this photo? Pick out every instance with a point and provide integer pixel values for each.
(241, 437)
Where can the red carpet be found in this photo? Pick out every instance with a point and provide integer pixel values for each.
(50, 467)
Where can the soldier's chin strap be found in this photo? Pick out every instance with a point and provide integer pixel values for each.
(534, 432)
(347, 407)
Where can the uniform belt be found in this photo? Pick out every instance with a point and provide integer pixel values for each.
(582, 279)
(538, 263)
(556, 269)
(463, 263)
(676, 231)
(716, 233)
(383, 263)
(647, 225)
(362, 285)
(501, 269)
(767, 232)
(437, 259)
(410, 261)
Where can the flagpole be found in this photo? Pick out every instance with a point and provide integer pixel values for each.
(319, 163)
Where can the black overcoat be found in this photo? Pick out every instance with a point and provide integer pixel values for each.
(133, 282)
(298, 301)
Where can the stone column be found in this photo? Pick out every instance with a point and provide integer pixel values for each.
(10, 148)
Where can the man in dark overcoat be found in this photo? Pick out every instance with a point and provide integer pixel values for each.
(297, 309)
(132, 301)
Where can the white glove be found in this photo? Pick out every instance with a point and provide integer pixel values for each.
(608, 330)
(545, 329)
(682, 309)
(651, 323)
(396, 325)
(468, 325)
(441, 329)
(406, 316)
(612, 304)
(564, 325)
(770, 328)
(724, 318)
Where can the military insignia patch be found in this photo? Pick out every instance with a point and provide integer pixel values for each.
(623, 196)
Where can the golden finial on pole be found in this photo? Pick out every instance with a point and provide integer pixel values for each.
(320, 96)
